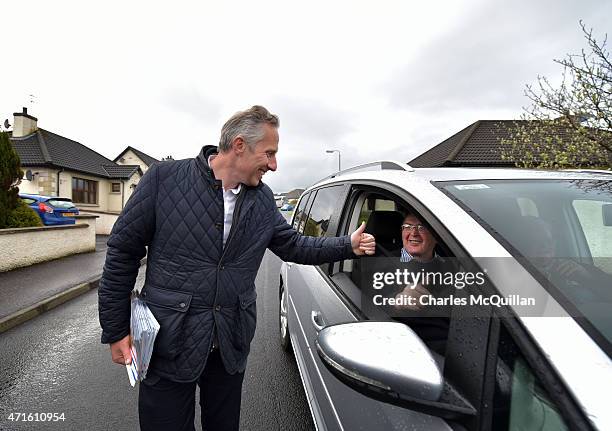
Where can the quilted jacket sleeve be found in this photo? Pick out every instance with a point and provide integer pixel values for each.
(290, 246)
(131, 234)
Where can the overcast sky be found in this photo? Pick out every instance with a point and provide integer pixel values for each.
(375, 80)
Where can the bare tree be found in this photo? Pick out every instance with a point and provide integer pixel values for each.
(569, 125)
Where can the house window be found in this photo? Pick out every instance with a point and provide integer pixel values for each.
(84, 191)
(115, 187)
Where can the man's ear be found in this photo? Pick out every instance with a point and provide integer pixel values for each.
(239, 145)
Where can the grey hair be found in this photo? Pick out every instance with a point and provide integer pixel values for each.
(248, 125)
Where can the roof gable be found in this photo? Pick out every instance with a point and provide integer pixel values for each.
(148, 160)
(441, 153)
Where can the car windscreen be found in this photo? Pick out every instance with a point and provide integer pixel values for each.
(61, 203)
(561, 230)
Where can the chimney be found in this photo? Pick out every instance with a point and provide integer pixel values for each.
(23, 124)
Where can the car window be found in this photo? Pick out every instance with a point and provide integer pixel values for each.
(383, 217)
(322, 210)
(28, 201)
(520, 400)
(597, 234)
(60, 203)
(375, 203)
(560, 232)
(300, 214)
(528, 207)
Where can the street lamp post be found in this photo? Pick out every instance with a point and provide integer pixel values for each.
(336, 151)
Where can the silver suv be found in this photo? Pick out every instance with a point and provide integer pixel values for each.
(537, 356)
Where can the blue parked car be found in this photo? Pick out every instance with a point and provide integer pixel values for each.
(51, 209)
(287, 207)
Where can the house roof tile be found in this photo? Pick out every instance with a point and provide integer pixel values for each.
(47, 148)
(479, 144)
(121, 171)
(28, 150)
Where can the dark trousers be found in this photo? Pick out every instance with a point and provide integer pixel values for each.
(164, 405)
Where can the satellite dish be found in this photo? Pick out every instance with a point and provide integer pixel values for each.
(29, 175)
(6, 124)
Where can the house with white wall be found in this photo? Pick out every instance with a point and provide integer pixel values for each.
(54, 165)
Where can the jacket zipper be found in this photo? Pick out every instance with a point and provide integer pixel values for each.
(239, 201)
(235, 216)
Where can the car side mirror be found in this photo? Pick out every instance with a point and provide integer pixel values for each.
(606, 212)
(387, 361)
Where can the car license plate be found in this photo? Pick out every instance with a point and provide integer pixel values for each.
(69, 214)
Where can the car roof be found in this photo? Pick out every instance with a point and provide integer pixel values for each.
(28, 195)
(466, 174)
(42, 197)
(388, 171)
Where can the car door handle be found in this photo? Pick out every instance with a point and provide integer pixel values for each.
(317, 320)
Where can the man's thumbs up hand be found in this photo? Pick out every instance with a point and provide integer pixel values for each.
(362, 243)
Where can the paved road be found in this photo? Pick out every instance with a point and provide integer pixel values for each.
(55, 363)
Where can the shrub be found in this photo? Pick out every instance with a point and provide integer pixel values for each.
(23, 216)
(10, 176)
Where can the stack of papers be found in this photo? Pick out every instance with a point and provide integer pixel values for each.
(143, 330)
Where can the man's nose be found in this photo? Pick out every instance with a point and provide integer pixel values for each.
(415, 232)
(272, 164)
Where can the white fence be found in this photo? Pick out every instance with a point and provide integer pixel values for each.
(29, 245)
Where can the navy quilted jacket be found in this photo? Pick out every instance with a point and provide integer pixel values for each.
(193, 283)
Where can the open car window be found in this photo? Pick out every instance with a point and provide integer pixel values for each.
(384, 215)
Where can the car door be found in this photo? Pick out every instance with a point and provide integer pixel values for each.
(298, 299)
(521, 400)
(337, 299)
(303, 282)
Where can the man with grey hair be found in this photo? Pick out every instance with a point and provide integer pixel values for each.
(207, 223)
